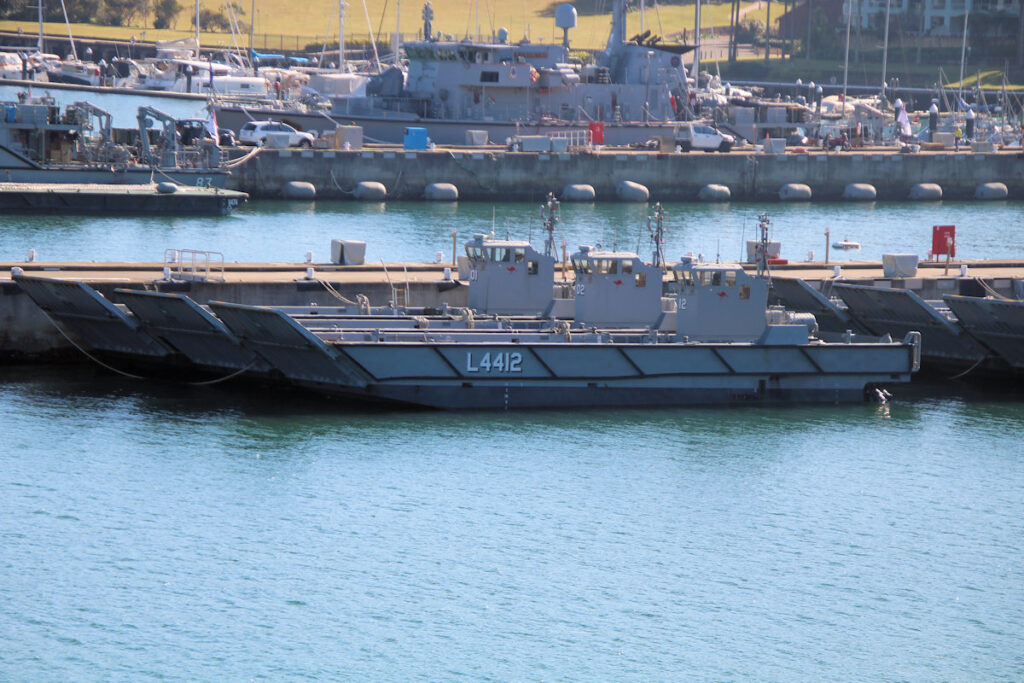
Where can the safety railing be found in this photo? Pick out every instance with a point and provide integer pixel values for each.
(194, 265)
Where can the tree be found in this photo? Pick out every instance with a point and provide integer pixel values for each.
(122, 12)
(26, 10)
(212, 21)
(165, 12)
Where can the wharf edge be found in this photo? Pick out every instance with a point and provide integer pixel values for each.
(493, 173)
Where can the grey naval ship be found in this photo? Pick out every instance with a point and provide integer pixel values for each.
(622, 333)
(636, 90)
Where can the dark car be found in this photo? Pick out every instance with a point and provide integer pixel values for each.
(194, 130)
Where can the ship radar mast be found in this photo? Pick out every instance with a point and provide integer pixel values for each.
(550, 221)
(763, 224)
(656, 226)
(428, 16)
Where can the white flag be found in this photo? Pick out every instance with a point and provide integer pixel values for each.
(211, 126)
(904, 122)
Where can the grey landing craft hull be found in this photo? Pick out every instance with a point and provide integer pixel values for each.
(621, 376)
(513, 370)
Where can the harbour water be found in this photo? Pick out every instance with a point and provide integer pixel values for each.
(162, 533)
(152, 531)
(416, 231)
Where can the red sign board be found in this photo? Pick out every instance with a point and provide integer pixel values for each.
(597, 132)
(944, 240)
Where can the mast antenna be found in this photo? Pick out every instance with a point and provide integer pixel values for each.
(549, 224)
(763, 224)
(656, 226)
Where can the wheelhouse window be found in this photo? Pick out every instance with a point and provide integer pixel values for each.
(581, 266)
(488, 76)
(684, 278)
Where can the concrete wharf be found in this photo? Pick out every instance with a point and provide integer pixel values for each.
(493, 173)
(26, 335)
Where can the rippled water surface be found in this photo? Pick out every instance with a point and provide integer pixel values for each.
(185, 534)
(165, 532)
(285, 231)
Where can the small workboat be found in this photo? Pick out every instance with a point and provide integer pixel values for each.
(846, 244)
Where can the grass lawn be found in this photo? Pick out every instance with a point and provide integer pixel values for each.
(822, 70)
(283, 25)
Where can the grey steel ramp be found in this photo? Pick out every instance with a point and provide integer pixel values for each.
(997, 324)
(797, 295)
(287, 346)
(899, 311)
(88, 319)
(182, 324)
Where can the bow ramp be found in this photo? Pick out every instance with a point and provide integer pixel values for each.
(288, 347)
(182, 324)
(797, 295)
(997, 324)
(88, 319)
(900, 311)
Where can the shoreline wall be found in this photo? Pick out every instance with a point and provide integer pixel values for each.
(521, 176)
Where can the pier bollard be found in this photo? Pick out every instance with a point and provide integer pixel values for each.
(371, 191)
(166, 187)
(795, 192)
(578, 193)
(441, 192)
(860, 192)
(714, 193)
(987, 191)
(628, 191)
(926, 192)
(295, 189)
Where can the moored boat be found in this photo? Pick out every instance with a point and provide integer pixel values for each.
(709, 337)
(42, 143)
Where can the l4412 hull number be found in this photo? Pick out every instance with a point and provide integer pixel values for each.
(498, 362)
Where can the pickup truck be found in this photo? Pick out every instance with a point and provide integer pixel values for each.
(691, 136)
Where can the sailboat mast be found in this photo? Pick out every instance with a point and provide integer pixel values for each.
(696, 47)
(963, 55)
(71, 40)
(373, 43)
(252, 28)
(197, 26)
(341, 36)
(885, 45)
(39, 43)
(846, 59)
(398, 31)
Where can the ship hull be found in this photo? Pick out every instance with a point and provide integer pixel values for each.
(15, 168)
(570, 375)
